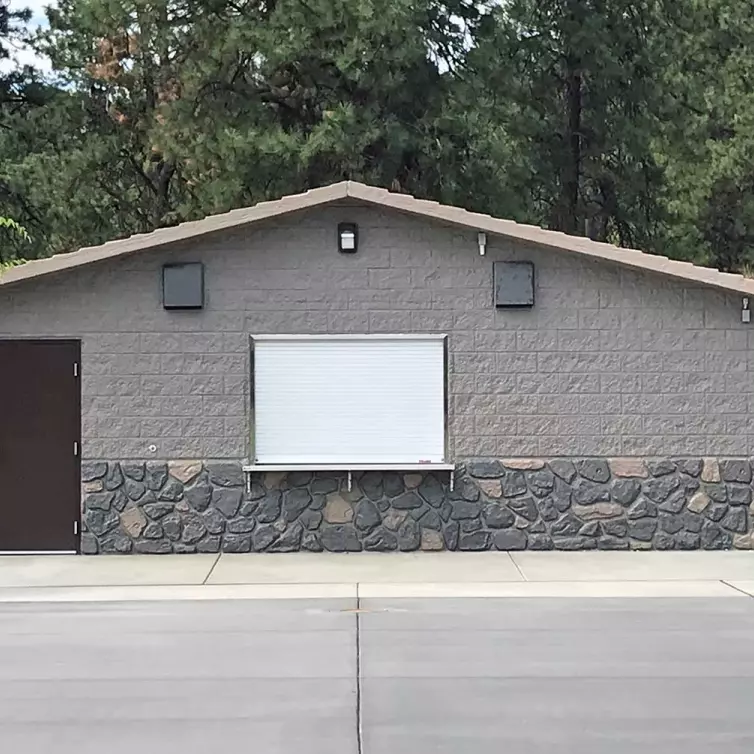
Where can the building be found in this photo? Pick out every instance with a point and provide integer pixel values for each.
(353, 369)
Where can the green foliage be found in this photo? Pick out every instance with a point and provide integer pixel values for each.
(709, 145)
(630, 121)
(576, 83)
(10, 263)
(7, 222)
(314, 92)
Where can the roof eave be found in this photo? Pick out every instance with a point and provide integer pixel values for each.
(170, 236)
(520, 233)
(556, 240)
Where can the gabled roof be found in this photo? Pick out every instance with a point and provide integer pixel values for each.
(378, 197)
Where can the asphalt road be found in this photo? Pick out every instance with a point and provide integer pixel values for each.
(395, 676)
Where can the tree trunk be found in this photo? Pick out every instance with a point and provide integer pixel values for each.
(572, 220)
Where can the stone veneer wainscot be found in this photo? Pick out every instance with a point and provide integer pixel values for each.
(562, 504)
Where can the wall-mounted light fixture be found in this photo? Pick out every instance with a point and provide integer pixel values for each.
(482, 241)
(348, 238)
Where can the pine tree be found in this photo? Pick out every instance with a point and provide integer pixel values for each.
(576, 84)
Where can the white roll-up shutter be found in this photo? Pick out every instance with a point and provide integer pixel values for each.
(349, 399)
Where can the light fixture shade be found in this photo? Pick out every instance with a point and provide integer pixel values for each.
(348, 238)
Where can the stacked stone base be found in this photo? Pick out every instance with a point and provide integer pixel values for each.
(555, 504)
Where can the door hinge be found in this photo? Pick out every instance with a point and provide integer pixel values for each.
(75, 448)
(75, 369)
(76, 527)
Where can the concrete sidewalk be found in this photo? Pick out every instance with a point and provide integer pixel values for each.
(321, 575)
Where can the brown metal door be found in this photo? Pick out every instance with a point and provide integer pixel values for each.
(40, 433)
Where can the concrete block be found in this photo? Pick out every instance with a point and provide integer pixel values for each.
(389, 322)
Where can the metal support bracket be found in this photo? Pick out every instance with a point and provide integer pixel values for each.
(421, 467)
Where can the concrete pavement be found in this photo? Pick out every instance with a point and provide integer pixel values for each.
(178, 677)
(379, 676)
(543, 675)
(378, 654)
(304, 575)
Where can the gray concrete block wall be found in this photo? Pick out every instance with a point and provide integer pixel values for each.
(609, 362)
